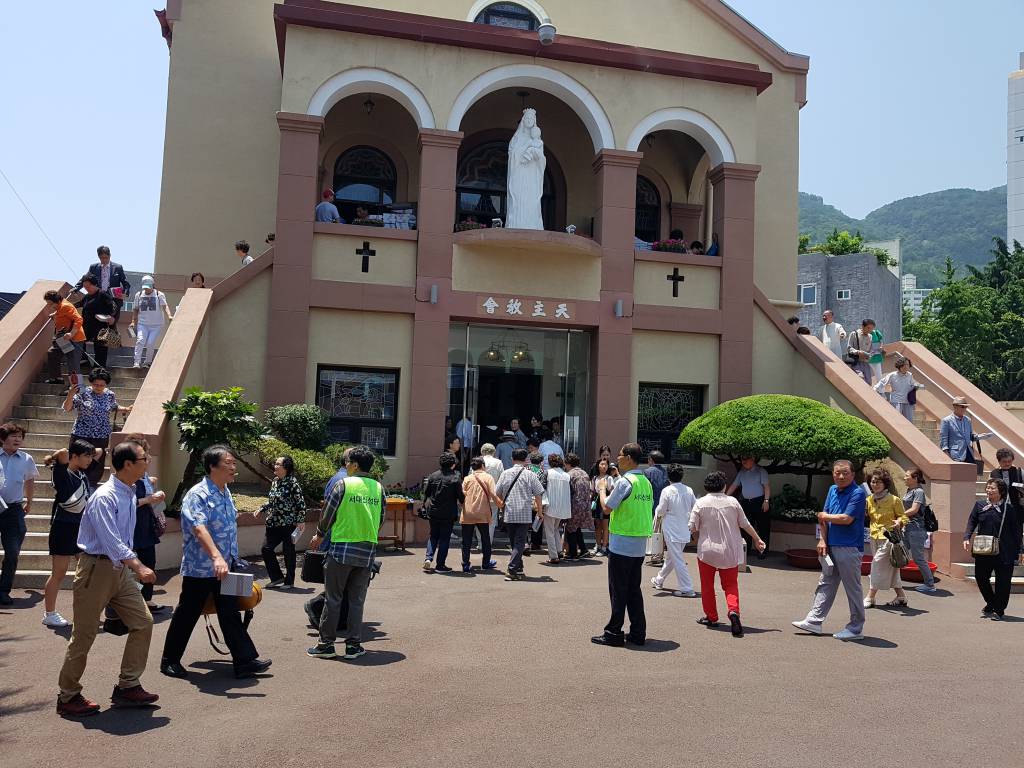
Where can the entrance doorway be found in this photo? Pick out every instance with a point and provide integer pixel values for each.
(498, 373)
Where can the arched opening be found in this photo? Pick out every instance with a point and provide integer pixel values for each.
(671, 168)
(369, 158)
(509, 15)
(568, 190)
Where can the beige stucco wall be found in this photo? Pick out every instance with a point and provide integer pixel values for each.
(373, 339)
(171, 459)
(219, 180)
(237, 339)
(674, 358)
(335, 258)
(220, 158)
(530, 272)
(700, 287)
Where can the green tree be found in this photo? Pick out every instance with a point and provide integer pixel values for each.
(976, 323)
(795, 435)
(208, 418)
(803, 243)
(303, 426)
(839, 243)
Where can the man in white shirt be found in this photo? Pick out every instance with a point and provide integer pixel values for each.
(148, 320)
(242, 251)
(832, 334)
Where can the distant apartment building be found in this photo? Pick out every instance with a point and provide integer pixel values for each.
(913, 297)
(1015, 156)
(854, 286)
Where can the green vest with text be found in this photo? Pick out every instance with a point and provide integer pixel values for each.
(358, 516)
(634, 516)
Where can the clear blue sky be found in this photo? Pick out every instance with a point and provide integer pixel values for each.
(905, 97)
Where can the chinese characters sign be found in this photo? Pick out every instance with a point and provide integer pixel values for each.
(517, 307)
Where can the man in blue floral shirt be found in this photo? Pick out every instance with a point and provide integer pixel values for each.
(209, 531)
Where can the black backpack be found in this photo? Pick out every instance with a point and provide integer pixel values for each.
(931, 522)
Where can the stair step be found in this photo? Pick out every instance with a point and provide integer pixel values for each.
(48, 441)
(38, 523)
(1018, 570)
(1016, 584)
(47, 426)
(121, 389)
(36, 578)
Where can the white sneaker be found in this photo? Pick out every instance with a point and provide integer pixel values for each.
(54, 619)
(869, 602)
(680, 593)
(925, 588)
(657, 584)
(806, 626)
(845, 634)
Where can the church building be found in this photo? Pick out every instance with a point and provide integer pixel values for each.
(423, 308)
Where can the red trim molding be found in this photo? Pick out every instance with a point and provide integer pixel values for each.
(465, 34)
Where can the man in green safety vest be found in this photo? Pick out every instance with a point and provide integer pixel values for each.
(630, 502)
(351, 519)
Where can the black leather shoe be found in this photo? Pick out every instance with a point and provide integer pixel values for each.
(173, 669)
(609, 640)
(636, 640)
(252, 668)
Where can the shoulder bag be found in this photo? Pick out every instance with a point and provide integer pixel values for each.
(109, 337)
(988, 545)
(75, 504)
(898, 554)
(852, 358)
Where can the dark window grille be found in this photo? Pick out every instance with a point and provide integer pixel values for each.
(663, 410)
(363, 176)
(481, 187)
(648, 210)
(511, 15)
(361, 405)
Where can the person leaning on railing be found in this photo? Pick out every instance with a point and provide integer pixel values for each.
(68, 338)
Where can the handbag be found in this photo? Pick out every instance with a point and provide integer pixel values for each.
(988, 545)
(898, 554)
(313, 567)
(109, 337)
(656, 544)
(245, 604)
(75, 504)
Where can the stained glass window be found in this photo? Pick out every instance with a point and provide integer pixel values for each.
(363, 176)
(482, 178)
(648, 210)
(510, 15)
(663, 410)
(361, 405)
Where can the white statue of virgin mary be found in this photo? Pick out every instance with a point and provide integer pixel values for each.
(525, 183)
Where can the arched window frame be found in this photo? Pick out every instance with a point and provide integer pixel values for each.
(497, 189)
(647, 224)
(385, 184)
(494, 13)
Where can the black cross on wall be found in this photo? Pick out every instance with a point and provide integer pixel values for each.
(366, 252)
(675, 278)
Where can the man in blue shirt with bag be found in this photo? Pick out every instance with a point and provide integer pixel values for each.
(840, 549)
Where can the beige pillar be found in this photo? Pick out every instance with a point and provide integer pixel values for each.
(611, 396)
(686, 216)
(435, 220)
(288, 322)
(733, 221)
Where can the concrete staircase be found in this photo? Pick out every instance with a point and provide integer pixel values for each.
(48, 428)
(966, 571)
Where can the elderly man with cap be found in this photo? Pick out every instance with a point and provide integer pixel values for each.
(150, 307)
(957, 433)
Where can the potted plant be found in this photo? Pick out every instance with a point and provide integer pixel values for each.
(670, 246)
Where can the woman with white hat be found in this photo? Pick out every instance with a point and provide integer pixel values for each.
(148, 320)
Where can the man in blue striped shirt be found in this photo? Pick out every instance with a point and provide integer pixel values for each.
(104, 577)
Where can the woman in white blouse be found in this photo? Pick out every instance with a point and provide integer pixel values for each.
(901, 384)
(717, 520)
(673, 511)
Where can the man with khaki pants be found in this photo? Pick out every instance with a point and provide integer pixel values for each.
(105, 577)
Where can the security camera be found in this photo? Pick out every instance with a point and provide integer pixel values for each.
(546, 32)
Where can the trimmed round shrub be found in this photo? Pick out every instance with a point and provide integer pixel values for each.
(301, 426)
(312, 468)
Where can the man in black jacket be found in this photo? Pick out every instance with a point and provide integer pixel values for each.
(442, 496)
(109, 275)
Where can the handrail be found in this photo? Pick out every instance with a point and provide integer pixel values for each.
(24, 352)
(975, 416)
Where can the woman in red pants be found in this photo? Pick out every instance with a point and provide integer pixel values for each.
(716, 520)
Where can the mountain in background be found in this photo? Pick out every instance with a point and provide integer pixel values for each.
(959, 223)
